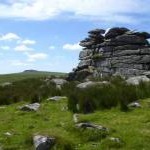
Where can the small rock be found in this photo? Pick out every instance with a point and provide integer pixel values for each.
(117, 141)
(135, 105)
(8, 134)
(64, 108)
(2, 107)
(76, 118)
(137, 79)
(30, 107)
(86, 125)
(56, 98)
(43, 142)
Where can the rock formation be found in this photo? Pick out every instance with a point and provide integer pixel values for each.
(116, 51)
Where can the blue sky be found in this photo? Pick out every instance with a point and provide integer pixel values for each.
(44, 34)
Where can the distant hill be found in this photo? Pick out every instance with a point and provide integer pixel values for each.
(28, 74)
(30, 71)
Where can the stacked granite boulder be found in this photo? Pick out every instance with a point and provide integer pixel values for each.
(116, 51)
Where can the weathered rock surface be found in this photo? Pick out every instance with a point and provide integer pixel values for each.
(114, 51)
(30, 107)
(43, 142)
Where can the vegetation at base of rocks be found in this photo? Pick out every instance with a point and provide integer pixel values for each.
(101, 97)
(117, 93)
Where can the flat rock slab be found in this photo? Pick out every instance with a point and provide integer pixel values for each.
(30, 107)
(43, 142)
(56, 98)
(87, 125)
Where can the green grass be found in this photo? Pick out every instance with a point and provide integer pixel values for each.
(24, 75)
(132, 127)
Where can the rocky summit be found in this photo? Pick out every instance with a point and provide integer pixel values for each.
(115, 51)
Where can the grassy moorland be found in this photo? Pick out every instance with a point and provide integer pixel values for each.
(105, 105)
(132, 127)
(24, 75)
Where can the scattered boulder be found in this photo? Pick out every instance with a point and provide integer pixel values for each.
(56, 98)
(2, 107)
(116, 140)
(64, 108)
(76, 118)
(6, 84)
(137, 79)
(30, 107)
(134, 105)
(91, 83)
(59, 82)
(87, 125)
(147, 74)
(8, 134)
(43, 142)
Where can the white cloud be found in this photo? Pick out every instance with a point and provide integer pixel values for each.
(28, 42)
(5, 47)
(36, 56)
(23, 48)
(52, 47)
(48, 9)
(9, 37)
(72, 47)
